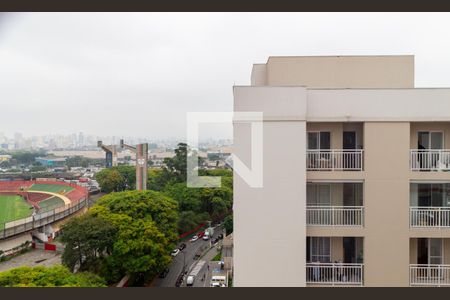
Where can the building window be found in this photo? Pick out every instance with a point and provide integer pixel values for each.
(318, 140)
(318, 249)
(318, 194)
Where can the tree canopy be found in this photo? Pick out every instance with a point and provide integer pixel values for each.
(117, 179)
(141, 228)
(57, 276)
(88, 240)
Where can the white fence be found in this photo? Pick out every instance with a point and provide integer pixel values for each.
(420, 216)
(38, 220)
(330, 160)
(335, 215)
(429, 275)
(430, 160)
(334, 273)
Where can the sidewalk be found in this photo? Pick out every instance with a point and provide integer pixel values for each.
(32, 258)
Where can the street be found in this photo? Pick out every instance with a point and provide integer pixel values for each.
(176, 266)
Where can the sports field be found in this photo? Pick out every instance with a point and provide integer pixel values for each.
(50, 204)
(53, 188)
(13, 208)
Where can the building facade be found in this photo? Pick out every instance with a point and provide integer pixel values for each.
(356, 181)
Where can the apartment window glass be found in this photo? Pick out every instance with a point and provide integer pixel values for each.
(430, 140)
(352, 194)
(318, 194)
(319, 140)
(319, 249)
(435, 251)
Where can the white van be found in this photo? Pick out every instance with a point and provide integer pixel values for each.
(190, 280)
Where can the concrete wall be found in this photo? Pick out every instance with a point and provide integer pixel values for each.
(365, 105)
(270, 222)
(259, 75)
(386, 195)
(342, 71)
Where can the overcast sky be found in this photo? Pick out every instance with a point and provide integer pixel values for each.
(137, 74)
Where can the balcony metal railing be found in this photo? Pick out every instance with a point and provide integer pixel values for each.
(429, 275)
(430, 160)
(334, 160)
(335, 216)
(334, 273)
(430, 216)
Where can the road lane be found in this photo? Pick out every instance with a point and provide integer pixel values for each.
(176, 266)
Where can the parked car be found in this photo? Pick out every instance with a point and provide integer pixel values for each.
(175, 252)
(194, 238)
(201, 234)
(190, 280)
(164, 273)
(214, 240)
(182, 246)
(206, 237)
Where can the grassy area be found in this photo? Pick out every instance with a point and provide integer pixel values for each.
(218, 256)
(50, 204)
(53, 188)
(13, 208)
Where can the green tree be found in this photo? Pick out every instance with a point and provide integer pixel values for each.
(146, 224)
(88, 240)
(228, 224)
(117, 179)
(129, 175)
(26, 157)
(176, 166)
(157, 179)
(57, 276)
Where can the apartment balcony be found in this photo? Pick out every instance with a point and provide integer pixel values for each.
(430, 160)
(335, 146)
(422, 217)
(429, 275)
(429, 264)
(334, 160)
(334, 274)
(430, 146)
(429, 205)
(334, 204)
(335, 216)
(334, 261)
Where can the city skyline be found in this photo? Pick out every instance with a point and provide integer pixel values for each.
(139, 74)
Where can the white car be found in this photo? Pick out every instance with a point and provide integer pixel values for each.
(206, 237)
(194, 238)
(175, 252)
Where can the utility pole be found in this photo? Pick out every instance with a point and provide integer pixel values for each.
(111, 154)
(141, 151)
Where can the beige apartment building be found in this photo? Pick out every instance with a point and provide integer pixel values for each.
(356, 175)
